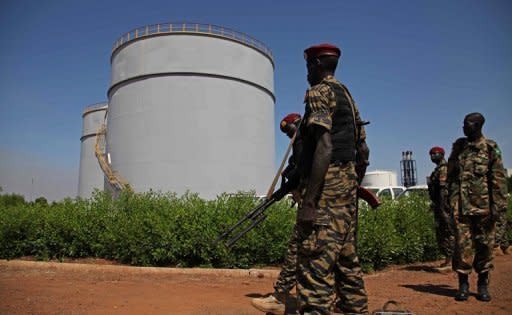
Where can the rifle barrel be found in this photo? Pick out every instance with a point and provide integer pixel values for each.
(256, 221)
(255, 215)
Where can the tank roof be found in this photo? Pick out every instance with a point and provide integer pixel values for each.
(380, 172)
(95, 107)
(191, 29)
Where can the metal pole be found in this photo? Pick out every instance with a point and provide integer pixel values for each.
(32, 190)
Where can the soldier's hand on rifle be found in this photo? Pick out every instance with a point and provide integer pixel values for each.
(296, 196)
(306, 214)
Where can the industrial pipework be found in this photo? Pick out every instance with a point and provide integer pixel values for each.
(408, 169)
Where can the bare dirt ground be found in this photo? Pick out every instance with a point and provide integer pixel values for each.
(97, 287)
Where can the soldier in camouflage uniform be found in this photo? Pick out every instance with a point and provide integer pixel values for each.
(438, 192)
(275, 303)
(332, 134)
(478, 193)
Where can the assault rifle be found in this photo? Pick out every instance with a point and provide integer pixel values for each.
(257, 214)
(255, 217)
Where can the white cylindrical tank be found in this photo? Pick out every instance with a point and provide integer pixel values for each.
(191, 107)
(380, 179)
(90, 174)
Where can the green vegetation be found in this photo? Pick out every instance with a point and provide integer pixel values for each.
(400, 231)
(154, 229)
(9, 200)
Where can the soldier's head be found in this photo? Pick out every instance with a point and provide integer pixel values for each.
(289, 124)
(473, 124)
(321, 61)
(436, 154)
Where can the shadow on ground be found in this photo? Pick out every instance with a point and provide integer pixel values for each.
(437, 289)
(256, 295)
(426, 268)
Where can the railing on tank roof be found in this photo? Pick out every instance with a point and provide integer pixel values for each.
(186, 27)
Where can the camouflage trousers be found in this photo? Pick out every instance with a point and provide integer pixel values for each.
(327, 262)
(474, 234)
(502, 228)
(444, 232)
(287, 277)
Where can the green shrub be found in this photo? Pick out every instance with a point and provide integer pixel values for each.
(155, 229)
(41, 200)
(8, 200)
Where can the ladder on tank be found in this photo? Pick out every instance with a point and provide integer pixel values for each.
(113, 177)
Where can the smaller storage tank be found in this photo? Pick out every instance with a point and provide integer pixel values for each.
(380, 178)
(90, 175)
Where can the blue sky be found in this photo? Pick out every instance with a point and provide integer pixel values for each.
(415, 68)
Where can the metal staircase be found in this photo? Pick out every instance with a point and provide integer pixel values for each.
(113, 177)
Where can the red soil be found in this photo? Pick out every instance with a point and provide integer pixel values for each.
(97, 287)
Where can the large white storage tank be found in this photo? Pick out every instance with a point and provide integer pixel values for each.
(380, 178)
(90, 175)
(191, 107)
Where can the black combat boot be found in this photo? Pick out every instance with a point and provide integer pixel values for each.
(463, 293)
(483, 287)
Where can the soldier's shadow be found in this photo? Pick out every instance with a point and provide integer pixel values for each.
(424, 268)
(437, 289)
(291, 301)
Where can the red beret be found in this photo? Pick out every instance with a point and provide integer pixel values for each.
(289, 119)
(322, 50)
(437, 150)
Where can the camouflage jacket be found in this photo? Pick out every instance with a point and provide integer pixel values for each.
(476, 178)
(437, 187)
(320, 103)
